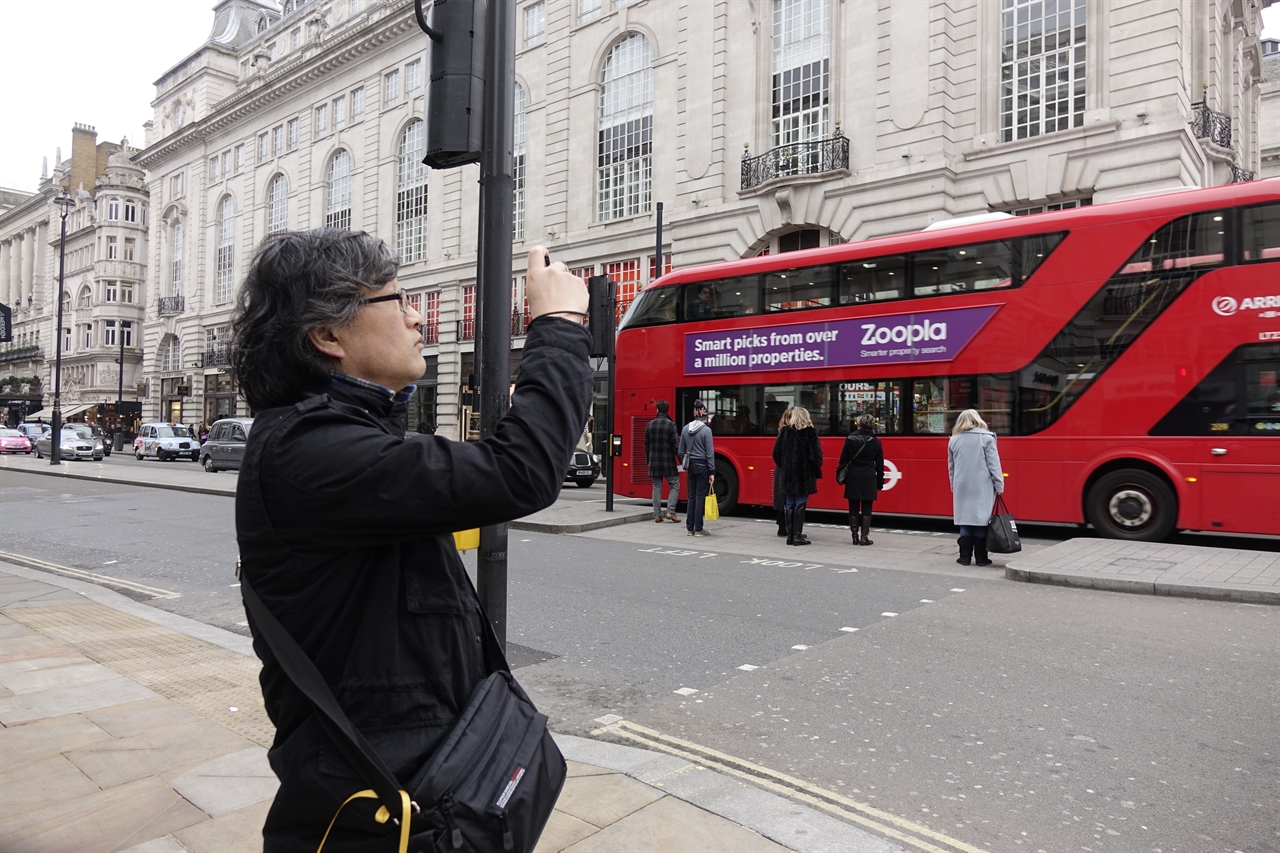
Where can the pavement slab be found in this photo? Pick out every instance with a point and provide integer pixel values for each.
(230, 782)
(673, 825)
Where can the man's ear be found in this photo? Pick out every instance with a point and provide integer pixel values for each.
(324, 340)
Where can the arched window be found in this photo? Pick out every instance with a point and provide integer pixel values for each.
(624, 183)
(85, 299)
(263, 23)
(411, 196)
(517, 163)
(175, 258)
(226, 250)
(337, 204)
(277, 205)
(113, 209)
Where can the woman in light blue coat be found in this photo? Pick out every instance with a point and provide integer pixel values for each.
(973, 466)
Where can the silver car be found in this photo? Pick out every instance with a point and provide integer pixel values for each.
(78, 442)
(224, 449)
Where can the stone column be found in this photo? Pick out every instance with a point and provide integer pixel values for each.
(15, 268)
(28, 261)
(5, 296)
(41, 274)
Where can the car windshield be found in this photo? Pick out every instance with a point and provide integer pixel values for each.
(173, 431)
(79, 430)
(10, 433)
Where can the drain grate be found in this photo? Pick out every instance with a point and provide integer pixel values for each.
(203, 678)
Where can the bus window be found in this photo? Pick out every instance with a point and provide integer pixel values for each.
(653, 307)
(714, 300)
(873, 280)
(938, 401)
(880, 399)
(1034, 249)
(1239, 397)
(1260, 233)
(960, 269)
(734, 409)
(792, 290)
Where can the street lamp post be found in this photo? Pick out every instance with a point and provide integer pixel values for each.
(65, 203)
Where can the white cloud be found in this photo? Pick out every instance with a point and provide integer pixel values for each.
(88, 61)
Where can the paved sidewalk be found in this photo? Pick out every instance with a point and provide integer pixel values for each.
(184, 475)
(1154, 568)
(127, 728)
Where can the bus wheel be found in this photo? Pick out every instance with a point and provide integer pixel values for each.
(1132, 504)
(725, 487)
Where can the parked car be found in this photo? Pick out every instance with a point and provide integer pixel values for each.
(99, 434)
(224, 449)
(78, 442)
(33, 430)
(12, 441)
(165, 442)
(584, 466)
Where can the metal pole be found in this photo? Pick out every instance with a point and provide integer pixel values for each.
(493, 283)
(120, 393)
(657, 252)
(609, 353)
(64, 202)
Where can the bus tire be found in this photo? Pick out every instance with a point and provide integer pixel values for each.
(1132, 504)
(725, 487)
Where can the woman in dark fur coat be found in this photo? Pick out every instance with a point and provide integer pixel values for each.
(798, 455)
(865, 476)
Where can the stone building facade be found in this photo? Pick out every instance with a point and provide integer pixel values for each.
(763, 126)
(104, 280)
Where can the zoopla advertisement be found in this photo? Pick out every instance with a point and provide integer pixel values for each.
(891, 339)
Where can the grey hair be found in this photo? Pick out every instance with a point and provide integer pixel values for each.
(301, 281)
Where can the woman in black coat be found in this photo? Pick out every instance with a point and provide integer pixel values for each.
(864, 455)
(798, 455)
(779, 499)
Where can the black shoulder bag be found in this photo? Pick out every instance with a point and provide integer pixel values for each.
(842, 472)
(490, 786)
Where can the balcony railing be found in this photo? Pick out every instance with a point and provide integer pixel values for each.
(171, 305)
(519, 324)
(1211, 125)
(19, 354)
(217, 357)
(467, 330)
(1241, 176)
(798, 158)
(431, 333)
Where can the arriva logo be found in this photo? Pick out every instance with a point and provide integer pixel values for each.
(891, 475)
(1225, 306)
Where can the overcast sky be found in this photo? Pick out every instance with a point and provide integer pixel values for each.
(96, 62)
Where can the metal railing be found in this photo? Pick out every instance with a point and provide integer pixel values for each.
(1211, 125)
(171, 305)
(19, 353)
(217, 357)
(1241, 176)
(431, 333)
(467, 330)
(798, 158)
(519, 324)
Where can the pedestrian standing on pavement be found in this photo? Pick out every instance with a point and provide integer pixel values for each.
(779, 499)
(864, 477)
(356, 556)
(973, 466)
(698, 451)
(660, 442)
(798, 455)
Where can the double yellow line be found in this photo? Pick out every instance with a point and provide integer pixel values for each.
(92, 577)
(881, 822)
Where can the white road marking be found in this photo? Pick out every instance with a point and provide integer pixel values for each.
(607, 719)
(686, 691)
(888, 614)
(110, 562)
(746, 667)
(956, 589)
(800, 648)
(850, 630)
(927, 601)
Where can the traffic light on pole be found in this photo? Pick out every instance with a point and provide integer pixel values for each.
(455, 83)
(600, 315)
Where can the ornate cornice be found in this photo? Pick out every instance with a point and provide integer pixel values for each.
(290, 77)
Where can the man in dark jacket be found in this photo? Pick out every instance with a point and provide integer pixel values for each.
(660, 450)
(344, 523)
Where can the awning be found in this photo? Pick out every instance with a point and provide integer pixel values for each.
(72, 411)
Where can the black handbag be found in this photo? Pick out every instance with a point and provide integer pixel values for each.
(1002, 530)
(492, 783)
(842, 471)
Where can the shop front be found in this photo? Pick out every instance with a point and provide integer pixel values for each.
(173, 391)
(219, 395)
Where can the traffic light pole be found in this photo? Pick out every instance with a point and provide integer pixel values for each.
(493, 278)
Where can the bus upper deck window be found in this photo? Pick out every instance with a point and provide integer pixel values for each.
(1260, 233)
(959, 269)
(796, 289)
(653, 307)
(719, 299)
(873, 280)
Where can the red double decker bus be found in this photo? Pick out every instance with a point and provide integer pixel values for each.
(1126, 355)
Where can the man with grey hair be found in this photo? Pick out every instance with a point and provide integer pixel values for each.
(345, 523)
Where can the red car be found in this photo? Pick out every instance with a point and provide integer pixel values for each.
(12, 441)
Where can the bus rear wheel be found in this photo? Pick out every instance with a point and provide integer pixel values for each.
(1132, 504)
(725, 488)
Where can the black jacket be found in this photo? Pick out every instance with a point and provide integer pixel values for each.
(660, 439)
(344, 527)
(865, 476)
(798, 455)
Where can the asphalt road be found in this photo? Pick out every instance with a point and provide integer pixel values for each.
(1011, 717)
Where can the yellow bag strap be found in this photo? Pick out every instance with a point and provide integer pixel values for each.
(381, 816)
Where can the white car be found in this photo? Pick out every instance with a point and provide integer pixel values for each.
(165, 442)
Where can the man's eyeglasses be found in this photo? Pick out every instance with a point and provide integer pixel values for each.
(399, 295)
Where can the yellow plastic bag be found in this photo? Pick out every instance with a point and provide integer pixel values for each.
(712, 510)
(467, 540)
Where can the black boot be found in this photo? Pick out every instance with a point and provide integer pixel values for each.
(782, 523)
(966, 549)
(797, 527)
(866, 528)
(980, 557)
(855, 523)
(790, 516)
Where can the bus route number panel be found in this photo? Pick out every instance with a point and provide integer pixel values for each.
(887, 339)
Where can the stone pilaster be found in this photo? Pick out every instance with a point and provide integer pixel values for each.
(5, 296)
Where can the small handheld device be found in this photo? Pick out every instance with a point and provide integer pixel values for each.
(547, 258)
